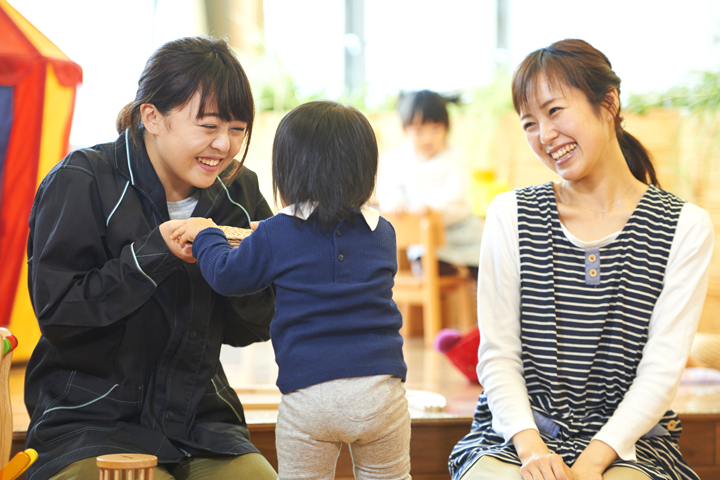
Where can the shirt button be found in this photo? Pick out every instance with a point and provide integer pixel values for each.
(193, 335)
(592, 258)
(672, 424)
(338, 233)
(169, 416)
(592, 273)
(340, 257)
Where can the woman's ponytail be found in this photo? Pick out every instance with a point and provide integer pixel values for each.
(125, 119)
(637, 158)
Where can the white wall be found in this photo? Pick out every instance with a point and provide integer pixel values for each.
(411, 44)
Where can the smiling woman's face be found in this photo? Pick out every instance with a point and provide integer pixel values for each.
(189, 152)
(564, 130)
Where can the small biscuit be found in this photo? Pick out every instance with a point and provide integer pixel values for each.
(235, 235)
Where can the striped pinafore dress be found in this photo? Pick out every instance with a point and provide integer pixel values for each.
(602, 299)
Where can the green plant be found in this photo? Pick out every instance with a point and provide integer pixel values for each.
(483, 110)
(695, 149)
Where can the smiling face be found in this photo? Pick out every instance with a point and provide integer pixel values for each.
(189, 152)
(566, 133)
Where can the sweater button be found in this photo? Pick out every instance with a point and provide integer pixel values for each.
(340, 257)
(338, 233)
(193, 335)
(593, 273)
(592, 258)
(169, 416)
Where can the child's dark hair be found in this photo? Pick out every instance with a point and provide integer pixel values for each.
(425, 106)
(325, 153)
(578, 64)
(182, 67)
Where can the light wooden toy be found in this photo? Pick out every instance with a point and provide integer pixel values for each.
(126, 466)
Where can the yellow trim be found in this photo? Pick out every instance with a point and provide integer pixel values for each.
(22, 319)
(56, 115)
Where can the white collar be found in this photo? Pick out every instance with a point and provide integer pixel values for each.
(371, 216)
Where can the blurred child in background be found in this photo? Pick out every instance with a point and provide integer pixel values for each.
(425, 173)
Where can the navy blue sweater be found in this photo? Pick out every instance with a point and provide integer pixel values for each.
(334, 313)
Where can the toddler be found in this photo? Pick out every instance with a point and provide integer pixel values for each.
(336, 328)
(425, 172)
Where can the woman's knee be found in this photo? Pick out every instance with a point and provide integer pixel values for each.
(624, 473)
(251, 466)
(490, 468)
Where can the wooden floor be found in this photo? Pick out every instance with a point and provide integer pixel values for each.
(252, 372)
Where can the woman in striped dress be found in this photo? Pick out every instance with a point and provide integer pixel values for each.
(590, 292)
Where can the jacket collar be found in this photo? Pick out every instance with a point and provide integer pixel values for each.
(135, 166)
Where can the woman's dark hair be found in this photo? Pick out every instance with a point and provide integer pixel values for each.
(425, 105)
(182, 67)
(578, 64)
(325, 153)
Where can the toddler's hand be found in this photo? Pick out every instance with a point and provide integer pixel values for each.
(188, 229)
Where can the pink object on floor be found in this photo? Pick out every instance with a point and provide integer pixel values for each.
(461, 350)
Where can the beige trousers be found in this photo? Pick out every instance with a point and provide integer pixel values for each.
(490, 468)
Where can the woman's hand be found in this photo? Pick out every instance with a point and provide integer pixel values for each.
(549, 466)
(538, 462)
(593, 461)
(183, 252)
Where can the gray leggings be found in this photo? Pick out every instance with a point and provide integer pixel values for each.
(368, 413)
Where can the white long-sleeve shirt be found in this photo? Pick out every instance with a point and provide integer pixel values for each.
(672, 326)
(440, 183)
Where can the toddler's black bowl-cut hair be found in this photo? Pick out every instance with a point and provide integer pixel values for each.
(325, 153)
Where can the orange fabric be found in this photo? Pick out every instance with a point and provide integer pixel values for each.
(57, 119)
(19, 181)
(39, 71)
(17, 54)
(22, 45)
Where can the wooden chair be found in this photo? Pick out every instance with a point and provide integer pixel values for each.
(9, 469)
(126, 466)
(426, 291)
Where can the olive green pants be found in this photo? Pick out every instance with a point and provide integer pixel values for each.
(490, 468)
(252, 466)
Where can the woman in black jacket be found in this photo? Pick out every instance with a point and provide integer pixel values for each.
(128, 361)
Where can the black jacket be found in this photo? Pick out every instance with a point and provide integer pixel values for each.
(128, 360)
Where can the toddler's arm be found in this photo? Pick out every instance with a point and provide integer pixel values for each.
(187, 230)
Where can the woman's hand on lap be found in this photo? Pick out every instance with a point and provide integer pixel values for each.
(548, 466)
(538, 462)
